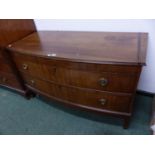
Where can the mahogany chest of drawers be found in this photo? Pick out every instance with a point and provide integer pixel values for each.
(11, 31)
(96, 71)
(7, 77)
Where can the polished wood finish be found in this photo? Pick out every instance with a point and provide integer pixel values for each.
(9, 80)
(1, 54)
(97, 47)
(11, 31)
(97, 71)
(70, 75)
(85, 97)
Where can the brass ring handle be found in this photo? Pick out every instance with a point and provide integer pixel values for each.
(32, 82)
(25, 66)
(4, 79)
(103, 101)
(103, 82)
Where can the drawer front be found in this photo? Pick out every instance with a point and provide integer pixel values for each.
(30, 59)
(29, 65)
(84, 97)
(9, 80)
(4, 67)
(105, 81)
(85, 78)
(1, 54)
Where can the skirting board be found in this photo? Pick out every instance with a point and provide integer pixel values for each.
(145, 93)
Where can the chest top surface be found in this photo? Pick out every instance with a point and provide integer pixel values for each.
(100, 47)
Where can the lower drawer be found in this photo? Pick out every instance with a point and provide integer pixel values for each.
(84, 97)
(9, 80)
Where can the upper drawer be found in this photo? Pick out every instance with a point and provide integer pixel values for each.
(110, 78)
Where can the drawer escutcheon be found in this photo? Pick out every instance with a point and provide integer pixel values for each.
(103, 82)
(32, 82)
(103, 101)
(25, 66)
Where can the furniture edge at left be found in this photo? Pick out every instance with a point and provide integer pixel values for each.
(12, 30)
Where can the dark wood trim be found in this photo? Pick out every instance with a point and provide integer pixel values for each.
(126, 122)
